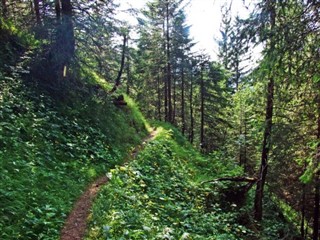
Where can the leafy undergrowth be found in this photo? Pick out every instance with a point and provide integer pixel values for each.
(157, 197)
(49, 153)
(161, 195)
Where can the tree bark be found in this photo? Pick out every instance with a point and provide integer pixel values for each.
(37, 11)
(68, 39)
(265, 151)
(123, 56)
(57, 8)
(174, 102)
(170, 118)
(183, 128)
(166, 114)
(159, 95)
(191, 130)
(64, 48)
(128, 69)
(233, 179)
(202, 95)
(258, 201)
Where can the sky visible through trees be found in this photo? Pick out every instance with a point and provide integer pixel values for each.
(199, 14)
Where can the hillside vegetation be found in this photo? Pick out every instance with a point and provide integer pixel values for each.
(163, 195)
(50, 149)
(83, 90)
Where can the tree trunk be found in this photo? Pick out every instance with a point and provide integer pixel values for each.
(258, 209)
(258, 201)
(170, 119)
(191, 130)
(68, 38)
(64, 48)
(243, 137)
(37, 11)
(159, 95)
(316, 213)
(202, 95)
(183, 128)
(166, 115)
(245, 146)
(129, 81)
(57, 8)
(123, 56)
(174, 102)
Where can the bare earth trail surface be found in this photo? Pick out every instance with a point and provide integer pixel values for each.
(76, 223)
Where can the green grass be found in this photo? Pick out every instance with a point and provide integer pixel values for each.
(157, 197)
(51, 149)
(50, 152)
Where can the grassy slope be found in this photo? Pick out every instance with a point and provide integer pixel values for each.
(160, 195)
(48, 157)
(50, 150)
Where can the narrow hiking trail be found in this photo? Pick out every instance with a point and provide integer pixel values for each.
(76, 223)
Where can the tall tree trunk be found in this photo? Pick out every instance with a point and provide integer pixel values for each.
(243, 137)
(191, 130)
(202, 95)
(245, 146)
(123, 56)
(183, 128)
(159, 95)
(316, 213)
(64, 48)
(37, 11)
(258, 209)
(57, 8)
(128, 65)
(68, 36)
(258, 201)
(170, 119)
(174, 102)
(166, 114)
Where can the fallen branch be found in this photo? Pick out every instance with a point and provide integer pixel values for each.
(233, 179)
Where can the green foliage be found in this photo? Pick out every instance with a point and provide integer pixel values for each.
(49, 153)
(156, 197)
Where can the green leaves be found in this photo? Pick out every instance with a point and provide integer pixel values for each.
(49, 152)
(154, 197)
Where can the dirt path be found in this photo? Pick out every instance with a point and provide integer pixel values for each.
(76, 223)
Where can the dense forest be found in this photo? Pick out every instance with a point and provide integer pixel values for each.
(235, 147)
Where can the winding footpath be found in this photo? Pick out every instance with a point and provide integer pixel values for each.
(76, 223)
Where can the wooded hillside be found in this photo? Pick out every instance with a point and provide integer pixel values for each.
(74, 77)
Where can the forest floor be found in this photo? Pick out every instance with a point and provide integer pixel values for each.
(76, 223)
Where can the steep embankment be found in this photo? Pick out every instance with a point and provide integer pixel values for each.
(51, 148)
(164, 194)
(159, 196)
(48, 156)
